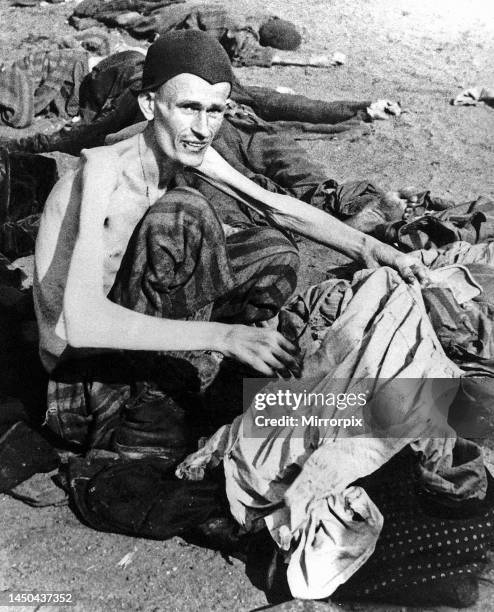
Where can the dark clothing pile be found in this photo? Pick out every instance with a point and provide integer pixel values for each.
(429, 552)
(471, 222)
(25, 182)
(141, 498)
(101, 90)
(23, 453)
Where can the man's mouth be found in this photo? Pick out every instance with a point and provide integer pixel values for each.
(194, 145)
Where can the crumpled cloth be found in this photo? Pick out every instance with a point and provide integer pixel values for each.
(23, 453)
(471, 222)
(299, 486)
(473, 95)
(38, 80)
(140, 497)
(465, 330)
(40, 490)
(467, 334)
(459, 252)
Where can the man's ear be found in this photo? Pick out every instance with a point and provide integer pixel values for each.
(146, 104)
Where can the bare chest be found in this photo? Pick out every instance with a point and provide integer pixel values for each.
(125, 210)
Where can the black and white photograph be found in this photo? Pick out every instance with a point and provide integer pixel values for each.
(246, 305)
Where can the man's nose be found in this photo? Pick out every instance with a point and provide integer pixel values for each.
(200, 124)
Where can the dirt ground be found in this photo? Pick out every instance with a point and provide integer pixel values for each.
(418, 52)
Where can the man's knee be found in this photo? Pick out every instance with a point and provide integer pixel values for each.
(176, 261)
(265, 264)
(286, 254)
(278, 272)
(258, 248)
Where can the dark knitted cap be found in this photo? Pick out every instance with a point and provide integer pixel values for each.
(190, 51)
(279, 34)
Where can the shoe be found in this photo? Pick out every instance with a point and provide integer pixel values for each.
(153, 424)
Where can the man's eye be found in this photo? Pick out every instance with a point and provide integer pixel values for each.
(215, 112)
(190, 110)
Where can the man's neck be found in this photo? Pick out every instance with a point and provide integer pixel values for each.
(157, 168)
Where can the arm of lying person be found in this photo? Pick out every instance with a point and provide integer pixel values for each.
(92, 320)
(313, 223)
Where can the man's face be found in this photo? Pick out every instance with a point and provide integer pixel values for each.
(187, 113)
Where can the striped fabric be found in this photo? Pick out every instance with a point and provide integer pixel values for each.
(31, 84)
(264, 265)
(85, 413)
(178, 260)
(174, 263)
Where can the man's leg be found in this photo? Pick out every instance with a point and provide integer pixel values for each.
(176, 261)
(179, 261)
(179, 264)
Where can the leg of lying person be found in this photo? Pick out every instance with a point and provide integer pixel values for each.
(178, 263)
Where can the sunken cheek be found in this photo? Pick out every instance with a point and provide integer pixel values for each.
(178, 126)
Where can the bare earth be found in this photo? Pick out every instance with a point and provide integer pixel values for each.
(419, 52)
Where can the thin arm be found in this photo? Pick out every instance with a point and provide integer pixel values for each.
(291, 213)
(91, 319)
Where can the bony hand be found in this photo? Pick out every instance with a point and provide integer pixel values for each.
(409, 268)
(266, 350)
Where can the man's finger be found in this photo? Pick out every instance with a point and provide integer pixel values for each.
(259, 365)
(293, 364)
(272, 361)
(414, 272)
(287, 356)
(407, 275)
(287, 346)
(422, 274)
